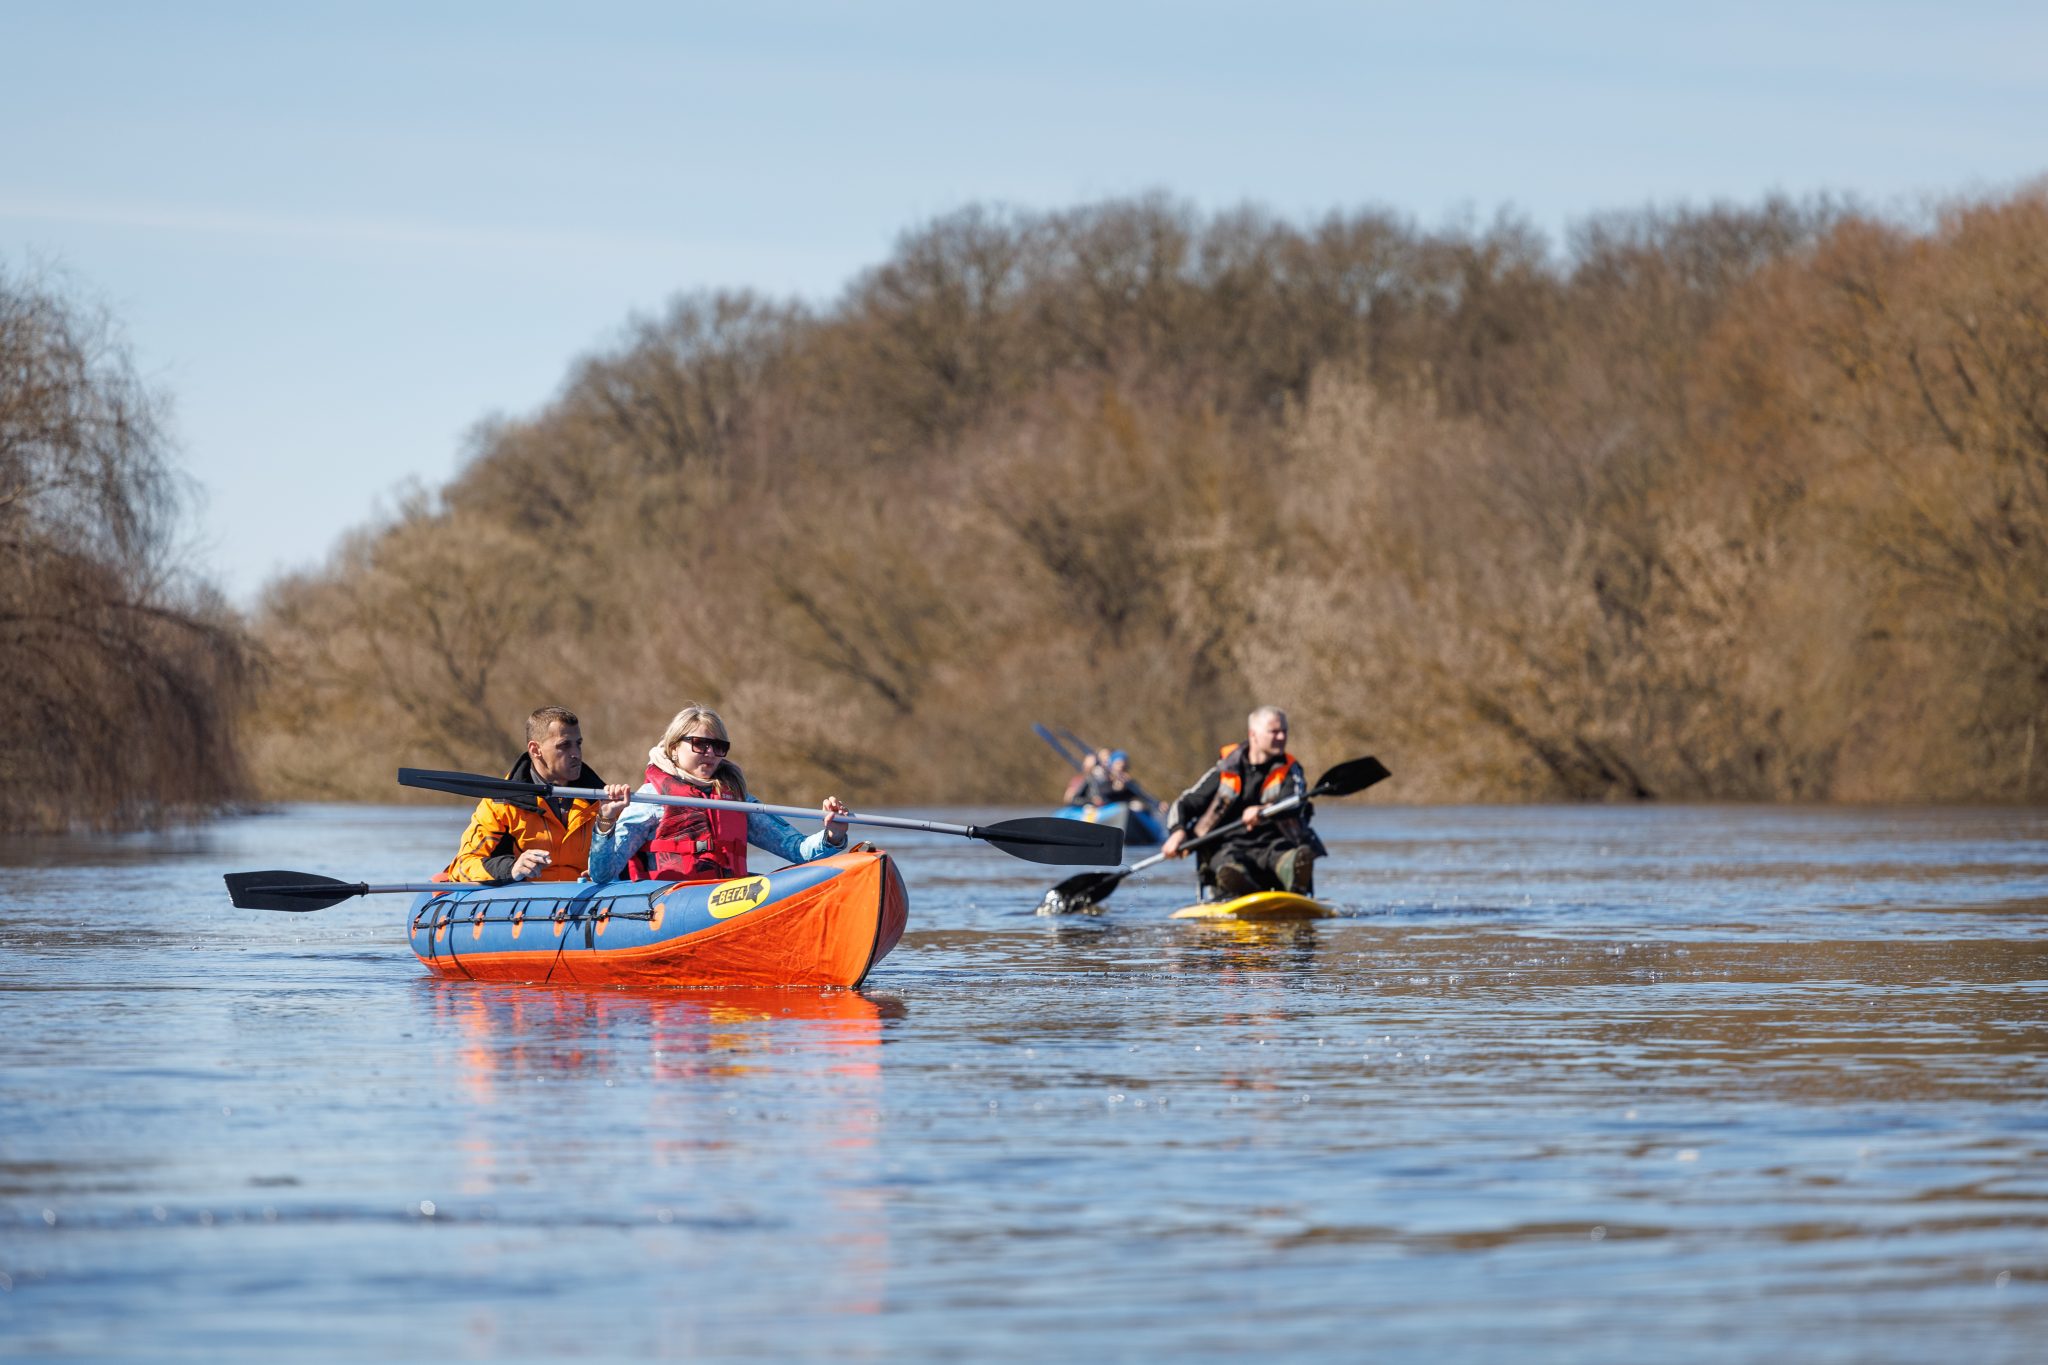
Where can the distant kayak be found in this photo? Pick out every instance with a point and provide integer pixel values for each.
(1140, 826)
(1259, 906)
(823, 923)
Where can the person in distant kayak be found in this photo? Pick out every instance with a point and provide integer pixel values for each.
(1083, 785)
(544, 839)
(1260, 854)
(1121, 785)
(1104, 780)
(642, 841)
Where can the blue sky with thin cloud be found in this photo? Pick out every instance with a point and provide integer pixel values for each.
(339, 236)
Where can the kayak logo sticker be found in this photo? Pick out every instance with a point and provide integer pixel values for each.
(737, 897)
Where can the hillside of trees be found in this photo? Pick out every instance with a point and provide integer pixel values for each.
(126, 678)
(1748, 502)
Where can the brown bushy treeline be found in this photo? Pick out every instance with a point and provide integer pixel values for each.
(124, 679)
(1735, 503)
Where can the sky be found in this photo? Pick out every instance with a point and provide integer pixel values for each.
(339, 236)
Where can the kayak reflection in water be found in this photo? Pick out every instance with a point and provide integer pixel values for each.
(1260, 854)
(689, 843)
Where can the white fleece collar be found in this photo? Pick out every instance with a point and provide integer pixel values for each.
(668, 765)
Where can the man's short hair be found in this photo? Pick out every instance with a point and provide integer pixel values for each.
(1262, 713)
(537, 724)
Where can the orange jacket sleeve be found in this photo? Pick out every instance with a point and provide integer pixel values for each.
(492, 821)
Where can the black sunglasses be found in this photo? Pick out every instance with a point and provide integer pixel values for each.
(709, 744)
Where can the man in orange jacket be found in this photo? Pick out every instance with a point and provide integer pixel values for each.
(545, 838)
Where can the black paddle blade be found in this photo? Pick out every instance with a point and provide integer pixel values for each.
(1351, 777)
(1086, 889)
(471, 784)
(289, 890)
(1049, 839)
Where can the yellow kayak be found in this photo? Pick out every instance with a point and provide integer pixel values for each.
(1259, 906)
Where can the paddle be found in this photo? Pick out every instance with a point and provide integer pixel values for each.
(1040, 839)
(307, 891)
(1346, 779)
(1058, 746)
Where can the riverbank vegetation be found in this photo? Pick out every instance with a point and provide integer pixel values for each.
(1747, 502)
(125, 678)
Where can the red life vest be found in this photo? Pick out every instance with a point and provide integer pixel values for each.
(693, 843)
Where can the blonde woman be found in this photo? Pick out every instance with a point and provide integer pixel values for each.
(690, 843)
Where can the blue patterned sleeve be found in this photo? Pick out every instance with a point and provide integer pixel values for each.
(778, 836)
(609, 853)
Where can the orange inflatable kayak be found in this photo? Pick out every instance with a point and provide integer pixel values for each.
(823, 923)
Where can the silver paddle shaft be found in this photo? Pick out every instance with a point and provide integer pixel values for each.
(1278, 806)
(795, 812)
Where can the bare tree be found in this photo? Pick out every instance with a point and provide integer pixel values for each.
(126, 675)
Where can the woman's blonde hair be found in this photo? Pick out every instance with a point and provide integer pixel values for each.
(692, 720)
(702, 720)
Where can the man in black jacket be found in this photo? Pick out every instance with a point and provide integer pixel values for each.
(1260, 854)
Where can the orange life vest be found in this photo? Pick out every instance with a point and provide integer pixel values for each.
(693, 843)
(1230, 788)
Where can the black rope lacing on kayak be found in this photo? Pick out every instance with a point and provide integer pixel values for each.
(562, 916)
(444, 924)
(578, 918)
(561, 947)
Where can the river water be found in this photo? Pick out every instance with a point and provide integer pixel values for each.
(1585, 1084)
